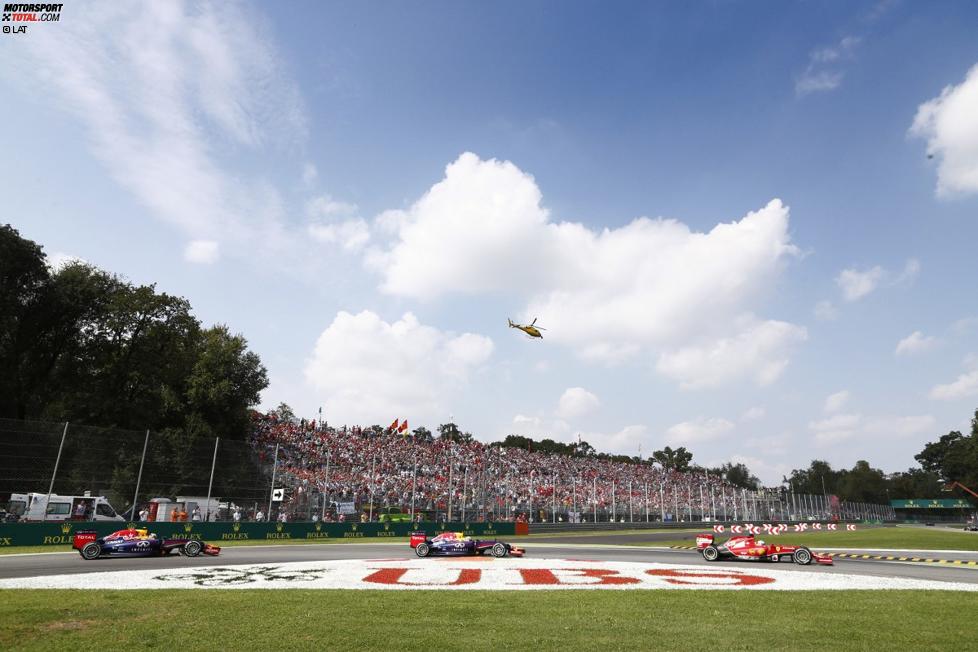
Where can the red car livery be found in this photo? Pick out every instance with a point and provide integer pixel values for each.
(748, 548)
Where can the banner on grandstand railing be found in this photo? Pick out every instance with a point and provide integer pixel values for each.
(346, 508)
(932, 503)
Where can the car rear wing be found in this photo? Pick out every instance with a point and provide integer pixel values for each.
(418, 537)
(703, 540)
(83, 537)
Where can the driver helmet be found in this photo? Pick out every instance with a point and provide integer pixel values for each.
(760, 542)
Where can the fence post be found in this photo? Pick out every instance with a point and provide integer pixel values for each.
(594, 497)
(54, 473)
(553, 501)
(271, 493)
(631, 518)
(373, 475)
(139, 477)
(326, 485)
(414, 482)
(646, 502)
(210, 485)
(662, 502)
(614, 503)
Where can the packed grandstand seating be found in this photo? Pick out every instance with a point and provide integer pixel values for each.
(353, 465)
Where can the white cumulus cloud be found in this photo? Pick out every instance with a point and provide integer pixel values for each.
(835, 428)
(843, 427)
(576, 402)
(368, 370)
(825, 311)
(760, 351)
(857, 284)
(825, 67)
(698, 430)
(204, 252)
(949, 122)
(58, 259)
(753, 414)
(351, 235)
(835, 402)
(965, 385)
(916, 342)
(650, 286)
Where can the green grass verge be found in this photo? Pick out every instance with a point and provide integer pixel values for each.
(478, 620)
(911, 538)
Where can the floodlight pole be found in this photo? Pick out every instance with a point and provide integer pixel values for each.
(210, 485)
(54, 474)
(139, 477)
(271, 494)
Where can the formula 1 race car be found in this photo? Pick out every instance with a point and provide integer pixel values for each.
(750, 549)
(456, 544)
(136, 543)
(971, 527)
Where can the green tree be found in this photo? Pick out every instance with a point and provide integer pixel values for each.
(913, 483)
(862, 483)
(421, 434)
(818, 477)
(739, 475)
(673, 460)
(953, 457)
(451, 432)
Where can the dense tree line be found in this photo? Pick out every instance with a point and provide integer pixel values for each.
(80, 344)
(85, 346)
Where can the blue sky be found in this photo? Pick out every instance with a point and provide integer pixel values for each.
(748, 227)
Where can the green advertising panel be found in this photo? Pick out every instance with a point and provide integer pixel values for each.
(931, 503)
(54, 534)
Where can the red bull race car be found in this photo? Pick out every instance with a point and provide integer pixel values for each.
(134, 542)
(456, 544)
(748, 548)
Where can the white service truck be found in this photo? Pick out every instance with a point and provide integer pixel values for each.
(38, 507)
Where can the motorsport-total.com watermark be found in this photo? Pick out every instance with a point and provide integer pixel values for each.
(25, 13)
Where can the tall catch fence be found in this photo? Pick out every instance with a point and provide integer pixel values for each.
(403, 478)
(127, 466)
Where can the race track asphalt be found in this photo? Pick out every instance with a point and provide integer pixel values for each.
(43, 564)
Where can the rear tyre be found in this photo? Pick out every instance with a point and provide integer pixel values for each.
(499, 550)
(192, 548)
(91, 551)
(423, 550)
(802, 556)
(710, 553)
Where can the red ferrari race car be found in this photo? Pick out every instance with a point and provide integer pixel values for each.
(750, 549)
(136, 543)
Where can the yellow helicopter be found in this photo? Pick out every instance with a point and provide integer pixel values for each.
(531, 329)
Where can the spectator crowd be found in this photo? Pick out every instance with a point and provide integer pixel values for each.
(440, 478)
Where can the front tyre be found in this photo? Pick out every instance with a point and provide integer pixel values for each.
(499, 550)
(710, 553)
(423, 550)
(91, 551)
(192, 548)
(802, 556)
